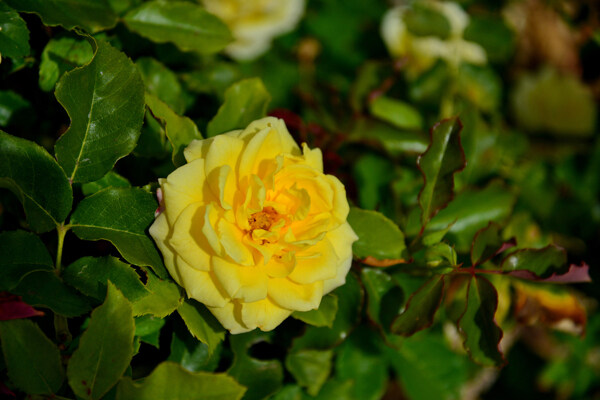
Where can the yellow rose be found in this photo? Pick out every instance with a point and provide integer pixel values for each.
(423, 51)
(253, 228)
(254, 23)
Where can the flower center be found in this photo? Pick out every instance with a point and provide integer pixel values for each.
(263, 219)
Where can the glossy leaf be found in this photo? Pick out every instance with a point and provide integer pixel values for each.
(541, 262)
(105, 101)
(46, 289)
(91, 15)
(32, 360)
(378, 236)
(488, 243)
(164, 297)
(420, 308)
(245, 101)
(384, 297)
(187, 25)
(111, 179)
(261, 377)
(62, 55)
(14, 35)
(161, 82)
(105, 348)
(396, 112)
(322, 316)
(310, 368)
(90, 275)
(190, 353)
(172, 381)
(179, 130)
(201, 323)
(39, 183)
(21, 253)
(444, 158)
(121, 216)
(480, 332)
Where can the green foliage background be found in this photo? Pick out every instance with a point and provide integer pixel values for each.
(475, 193)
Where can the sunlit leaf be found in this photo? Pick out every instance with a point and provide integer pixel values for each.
(164, 297)
(111, 179)
(161, 82)
(396, 112)
(378, 236)
(201, 323)
(62, 55)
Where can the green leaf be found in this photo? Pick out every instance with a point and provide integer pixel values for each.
(378, 236)
(164, 297)
(105, 348)
(14, 35)
(395, 141)
(310, 368)
(161, 82)
(322, 316)
(45, 289)
(39, 183)
(360, 360)
(179, 130)
(245, 101)
(91, 15)
(542, 262)
(172, 381)
(90, 275)
(105, 101)
(481, 86)
(21, 253)
(12, 107)
(383, 295)
(488, 243)
(396, 112)
(32, 360)
(189, 26)
(111, 179)
(190, 353)
(373, 175)
(492, 33)
(261, 377)
(201, 323)
(424, 20)
(480, 332)
(148, 329)
(336, 389)
(430, 86)
(444, 157)
(420, 308)
(121, 216)
(62, 55)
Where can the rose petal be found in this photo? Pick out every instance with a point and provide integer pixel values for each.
(293, 296)
(246, 283)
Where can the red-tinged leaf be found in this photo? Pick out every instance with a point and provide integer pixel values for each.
(542, 263)
(420, 308)
(12, 307)
(477, 325)
(488, 243)
(576, 274)
(443, 158)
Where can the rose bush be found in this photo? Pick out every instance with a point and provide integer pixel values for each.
(255, 23)
(253, 228)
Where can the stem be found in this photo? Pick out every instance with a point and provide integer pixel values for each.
(61, 325)
(62, 231)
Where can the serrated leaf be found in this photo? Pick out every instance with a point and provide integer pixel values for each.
(201, 323)
(261, 377)
(32, 360)
(488, 243)
(111, 179)
(444, 158)
(45, 289)
(396, 112)
(105, 101)
(121, 216)
(91, 15)
(379, 285)
(172, 381)
(161, 82)
(187, 25)
(310, 368)
(147, 328)
(190, 353)
(62, 55)
(14, 35)
(21, 253)
(90, 276)
(378, 236)
(105, 348)
(179, 130)
(164, 297)
(477, 326)
(420, 308)
(39, 183)
(322, 316)
(245, 101)
(542, 262)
